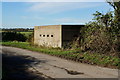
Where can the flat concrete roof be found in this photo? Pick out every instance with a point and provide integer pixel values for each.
(62, 25)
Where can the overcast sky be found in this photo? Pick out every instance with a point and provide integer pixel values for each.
(29, 14)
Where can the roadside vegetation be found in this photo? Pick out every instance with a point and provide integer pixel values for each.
(102, 35)
(97, 44)
(75, 55)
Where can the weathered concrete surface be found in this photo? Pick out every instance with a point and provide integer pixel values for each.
(48, 35)
(55, 35)
(60, 68)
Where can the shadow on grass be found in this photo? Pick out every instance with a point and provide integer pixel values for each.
(15, 67)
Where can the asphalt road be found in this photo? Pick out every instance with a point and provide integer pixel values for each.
(51, 67)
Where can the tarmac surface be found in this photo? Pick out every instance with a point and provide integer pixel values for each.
(30, 65)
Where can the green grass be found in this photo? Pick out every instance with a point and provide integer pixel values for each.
(96, 59)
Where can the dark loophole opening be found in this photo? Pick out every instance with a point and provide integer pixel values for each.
(51, 35)
(47, 35)
(43, 35)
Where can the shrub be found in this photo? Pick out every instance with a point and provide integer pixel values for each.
(99, 36)
(13, 36)
(31, 39)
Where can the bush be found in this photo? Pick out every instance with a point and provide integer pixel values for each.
(100, 36)
(31, 39)
(13, 36)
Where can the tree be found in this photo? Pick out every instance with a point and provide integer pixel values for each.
(104, 19)
(101, 35)
(116, 6)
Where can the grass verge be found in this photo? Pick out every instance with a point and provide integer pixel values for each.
(75, 55)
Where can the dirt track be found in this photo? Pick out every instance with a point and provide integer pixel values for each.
(54, 67)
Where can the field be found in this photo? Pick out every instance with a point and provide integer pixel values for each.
(26, 33)
(75, 55)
